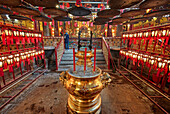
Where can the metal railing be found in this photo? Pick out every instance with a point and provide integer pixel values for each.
(59, 50)
(158, 94)
(107, 54)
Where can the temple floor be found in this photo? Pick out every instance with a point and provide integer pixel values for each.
(47, 95)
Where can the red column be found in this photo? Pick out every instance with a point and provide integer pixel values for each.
(94, 59)
(74, 64)
(85, 59)
(56, 58)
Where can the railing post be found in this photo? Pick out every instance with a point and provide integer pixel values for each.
(109, 57)
(56, 61)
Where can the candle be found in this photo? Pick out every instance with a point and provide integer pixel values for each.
(1, 64)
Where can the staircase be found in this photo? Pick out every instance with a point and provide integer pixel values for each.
(67, 60)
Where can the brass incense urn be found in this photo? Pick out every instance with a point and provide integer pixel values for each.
(84, 87)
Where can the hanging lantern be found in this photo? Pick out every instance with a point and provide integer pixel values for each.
(130, 55)
(127, 55)
(140, 59)
(7, 37)
(22, 57)
(32, 54)
(78, 2)
(124, 36)
(36, 37)
(130, 38)
(36, 55)
(146, 34)
(22, 39)
(16, 59)
(33, 38)
(98, 5)
(165, 38)
(145, 58)
(16, 37)
(28, 55)
(134, 37)
(3, 37)
(27, 37)
(40, 37)
(11, 36)
(39, 54)
(1, 67)
(68, 5)
(43, 54)
(159, 67)
(10, 62)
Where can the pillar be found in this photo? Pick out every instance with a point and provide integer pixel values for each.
(118, 30)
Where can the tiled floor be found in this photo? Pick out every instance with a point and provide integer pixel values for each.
(48, 96)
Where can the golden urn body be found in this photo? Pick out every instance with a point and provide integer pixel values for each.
(84, 88)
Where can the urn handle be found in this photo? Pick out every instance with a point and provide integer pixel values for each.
(106, 79)
(63, 78)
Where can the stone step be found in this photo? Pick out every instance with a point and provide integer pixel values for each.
(71, 62)
(71, 55)
(71, 52)
(66, 67)
(71, 59)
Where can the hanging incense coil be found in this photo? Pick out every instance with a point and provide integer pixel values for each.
(81, 19)
(79, 11)
(42, 18)
(26, 10)
(55, 11)
(10, 2)
(153, 3)
(61, 18)
(19, 17)
(43, 3)
(121, 4)
(108, 13)
(136, 20)
(102, 19)
(4, 10)
(157, 13)
(120, 19)
(133, 13)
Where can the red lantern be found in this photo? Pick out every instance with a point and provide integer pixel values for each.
(28, 55)
(11, 36)
(7, 37)
(17, 59)
(146, 34)
(36, 37)
(3, 37)
(10, 61)
(68, 5)
(1, 67)
(130, 39)
(151, 38)
(22, 57)
(32, 38)
(16, 37)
